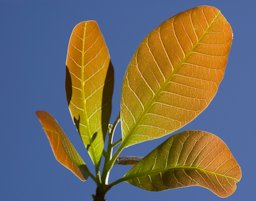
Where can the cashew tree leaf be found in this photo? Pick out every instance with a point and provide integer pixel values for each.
(191, 158)
(89, 85)
(63, 150)
(174, 74)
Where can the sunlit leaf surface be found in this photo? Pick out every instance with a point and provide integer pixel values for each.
(174, 74)
(191, 158)
(89, 85)
(62, 148)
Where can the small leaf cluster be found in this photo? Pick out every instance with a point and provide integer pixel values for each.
(172, 77)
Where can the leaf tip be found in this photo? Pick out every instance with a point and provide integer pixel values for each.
(83, 24)
(40, 114)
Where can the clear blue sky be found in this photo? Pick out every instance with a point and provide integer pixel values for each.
(33, 41)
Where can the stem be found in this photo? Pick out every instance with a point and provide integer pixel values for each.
(100, 195)
(117, 182)
(111, 163)
(102, 180)
(111, 136)
(90, 174)
(97, 171)
(108, 157)
(117, 142)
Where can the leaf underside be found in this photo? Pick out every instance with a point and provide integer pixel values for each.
(89, 85)
(63, 150)
(191, 158)
(174, 74)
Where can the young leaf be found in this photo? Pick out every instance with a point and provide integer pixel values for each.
(191, 158)
(89, 85)
(62, 148)
(174, 74)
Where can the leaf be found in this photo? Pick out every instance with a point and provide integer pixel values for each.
(89, 85)
(62, 148)
(174, 74)
(191, 158)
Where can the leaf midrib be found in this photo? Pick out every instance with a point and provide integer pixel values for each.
(83, 95)
(176, 69)
(149, 173)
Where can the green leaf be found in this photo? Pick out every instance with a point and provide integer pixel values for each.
(174, 74)
(191, 158)
(89, 85)
(63, 150)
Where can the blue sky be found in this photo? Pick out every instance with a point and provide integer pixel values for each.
(33, 41)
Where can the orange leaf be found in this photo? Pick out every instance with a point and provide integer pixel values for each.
(89, 85)
(174, 74)
(62, 148)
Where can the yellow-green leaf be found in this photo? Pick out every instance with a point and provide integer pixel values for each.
(89, 85)
(63, 150)
(174, 74)
(191, 158)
